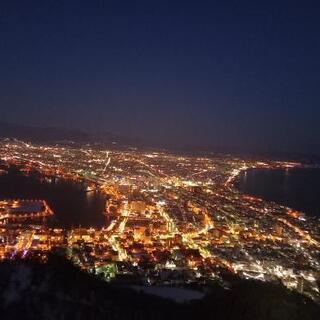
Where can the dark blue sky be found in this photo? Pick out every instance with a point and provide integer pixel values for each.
(244, 74)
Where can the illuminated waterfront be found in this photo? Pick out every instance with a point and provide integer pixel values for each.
(296, 188)
(85, 209)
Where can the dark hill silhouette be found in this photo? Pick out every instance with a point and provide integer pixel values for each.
(8, 130)
(52, 135)
(58, 290)
(105, 138)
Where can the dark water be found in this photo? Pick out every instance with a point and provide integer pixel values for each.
(297, 188)
(71, 204)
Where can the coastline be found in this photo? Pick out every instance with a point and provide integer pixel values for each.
(284, 197)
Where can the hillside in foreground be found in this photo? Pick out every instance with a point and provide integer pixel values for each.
(58, 290)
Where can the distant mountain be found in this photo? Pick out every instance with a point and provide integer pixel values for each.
(51, 134)
(62, 135)
(58, 290)
(55, 135)
(37, 134)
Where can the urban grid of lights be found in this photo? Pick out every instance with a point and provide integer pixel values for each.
(168, 218)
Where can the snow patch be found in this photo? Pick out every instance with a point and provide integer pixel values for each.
(179, 295)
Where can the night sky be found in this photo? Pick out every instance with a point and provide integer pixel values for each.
(234, 74)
